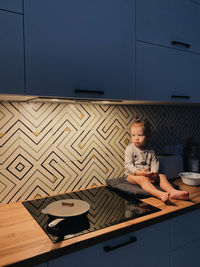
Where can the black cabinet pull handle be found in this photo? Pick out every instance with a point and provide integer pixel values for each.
(180, 96)
(79, 91)
(110, 248)
(181, 44)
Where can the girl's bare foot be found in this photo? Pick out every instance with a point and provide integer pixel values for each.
(178, 194)
(164, 196)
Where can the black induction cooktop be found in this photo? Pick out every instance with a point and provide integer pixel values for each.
(107, 207)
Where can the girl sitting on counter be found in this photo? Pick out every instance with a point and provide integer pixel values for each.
(142, 165)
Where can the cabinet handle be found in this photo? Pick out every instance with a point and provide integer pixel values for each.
(79, 91)
(110, 248)
(181, 44)
(180, 96)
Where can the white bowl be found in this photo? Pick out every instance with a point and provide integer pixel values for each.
(190, 178)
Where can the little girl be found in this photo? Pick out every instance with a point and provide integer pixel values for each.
(142, 165)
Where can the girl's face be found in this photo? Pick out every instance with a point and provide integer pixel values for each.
(138, 137)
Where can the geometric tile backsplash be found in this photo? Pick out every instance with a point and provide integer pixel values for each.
(49, 148)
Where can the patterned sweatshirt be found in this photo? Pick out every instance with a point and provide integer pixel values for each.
(137, 159)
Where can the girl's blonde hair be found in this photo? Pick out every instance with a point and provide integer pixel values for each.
(145, 124)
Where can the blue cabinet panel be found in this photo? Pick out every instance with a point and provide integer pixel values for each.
(75, 44)
(11, 53)
(11, 5)
(172, 23)
(166, 74)
(186, 256)
(148, 250)
(184, 229)
(185, 240)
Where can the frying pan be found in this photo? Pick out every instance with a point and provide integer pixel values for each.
(65, 208)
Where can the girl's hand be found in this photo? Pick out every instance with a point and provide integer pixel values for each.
(154, 174)
(144, 172)
(154, 177)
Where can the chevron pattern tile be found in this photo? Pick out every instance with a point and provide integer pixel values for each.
(49, 148)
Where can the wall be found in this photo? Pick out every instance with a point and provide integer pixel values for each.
(50, 148)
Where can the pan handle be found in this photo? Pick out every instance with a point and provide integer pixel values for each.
(55, 222)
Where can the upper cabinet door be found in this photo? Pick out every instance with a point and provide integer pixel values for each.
(165, 74)
(172, 23)
(11, 5)
(11, 53)
(78, 48)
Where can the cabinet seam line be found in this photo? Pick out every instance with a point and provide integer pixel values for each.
(184, 244)
(10, 11)
(24, 46)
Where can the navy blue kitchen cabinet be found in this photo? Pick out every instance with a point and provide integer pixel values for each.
(11, 5)
(185, 240)
(172, 23)
(172, 243)
(149, 248)
(11, 53)
(166, 74)
(82, 49)
(166, 25)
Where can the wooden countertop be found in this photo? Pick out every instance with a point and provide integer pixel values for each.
(24, 243)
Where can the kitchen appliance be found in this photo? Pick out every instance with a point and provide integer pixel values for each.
(65, 209)
(107, 207)
(190, 178)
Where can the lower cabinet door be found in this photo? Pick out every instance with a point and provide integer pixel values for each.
(146, 247)
(185, 240)
(184, 229)
(186, 256)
